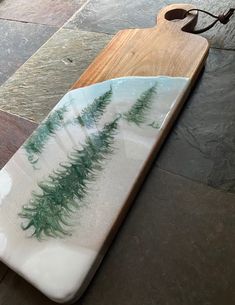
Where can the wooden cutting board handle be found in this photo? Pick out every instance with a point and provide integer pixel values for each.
(167, 49)
(174, 18)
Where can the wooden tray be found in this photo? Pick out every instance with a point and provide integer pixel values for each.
(65, 192)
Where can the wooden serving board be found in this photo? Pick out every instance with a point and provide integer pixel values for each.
(65, 192)
(166, 49)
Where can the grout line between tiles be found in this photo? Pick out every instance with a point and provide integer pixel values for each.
(92, 31)
(57, 29)
(29, 22)
(78, 11)
(223, 49)
(19, 116)
(193, 180)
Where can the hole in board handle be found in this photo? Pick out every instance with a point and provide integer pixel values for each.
(176, 14)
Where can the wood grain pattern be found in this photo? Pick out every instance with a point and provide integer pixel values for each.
(163, 50)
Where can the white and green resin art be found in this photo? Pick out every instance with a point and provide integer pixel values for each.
(63, 190)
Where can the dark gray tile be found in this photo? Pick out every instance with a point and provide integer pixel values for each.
(202, 144)
(176, 247)
(18, 42)
(51, 12)
(3, 271)
(15, 290)
(109, 16)
(220, 36)
(40, 83)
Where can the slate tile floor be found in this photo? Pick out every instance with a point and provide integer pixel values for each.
(49, 12)
(25, 25)
(177, 244)
(18, 42)
(110, 16)
(204, 135)
(61, 60)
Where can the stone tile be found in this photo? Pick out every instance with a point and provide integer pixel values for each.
(14, 290)
(176, 247)
(18, 42)
(14, 131)
(220, 36)
(202, 144)
(51, 12)
(3, 271)
(109, 16)
(40, 83)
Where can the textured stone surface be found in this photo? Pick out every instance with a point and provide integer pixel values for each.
(109, 16)
(202, 144)
(14, 290)
(3, 271)
(220, 36)
(40, 83)
(14, 131)
(52, 12)
(176, 247)
(18, 42)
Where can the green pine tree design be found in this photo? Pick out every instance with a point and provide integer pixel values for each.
(49, 210)
(36, 143)
(92, 113)
(138, 112)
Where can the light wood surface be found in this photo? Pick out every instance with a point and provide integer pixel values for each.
(164, 50)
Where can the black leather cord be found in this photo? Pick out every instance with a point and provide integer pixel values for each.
(222, 18)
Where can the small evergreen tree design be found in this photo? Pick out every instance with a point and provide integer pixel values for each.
(92, 113)
(49, 210)
(138, 112)
(36, 143)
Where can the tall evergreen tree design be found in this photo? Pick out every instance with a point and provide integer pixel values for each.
(36, 143)
(92, 113)
(49, 211)
(138, 112)
(88, 118)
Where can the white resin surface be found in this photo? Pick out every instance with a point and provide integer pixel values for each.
(61, 266)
